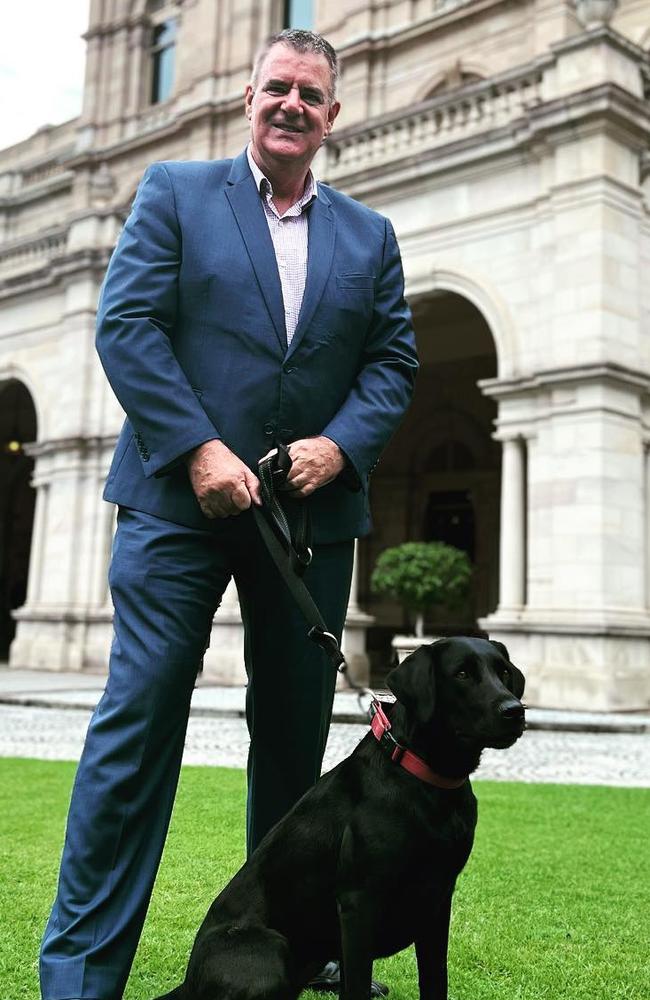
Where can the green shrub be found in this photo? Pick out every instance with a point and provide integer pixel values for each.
(421, 575)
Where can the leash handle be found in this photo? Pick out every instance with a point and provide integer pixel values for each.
(273, 470)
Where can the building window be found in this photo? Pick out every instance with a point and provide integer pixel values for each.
(163, 58)
(299, 14)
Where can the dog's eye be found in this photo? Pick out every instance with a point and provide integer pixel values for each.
(505, 675)
(462, 675)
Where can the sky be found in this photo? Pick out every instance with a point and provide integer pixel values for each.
(42, 58)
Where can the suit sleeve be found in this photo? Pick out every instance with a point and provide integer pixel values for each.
(135, 330)
(383, 388)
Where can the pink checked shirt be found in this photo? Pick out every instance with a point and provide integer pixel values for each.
(289, 233)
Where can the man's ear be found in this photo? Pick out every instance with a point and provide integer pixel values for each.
(413, 683)
(518, 679)
(248, 101)
(332, 113)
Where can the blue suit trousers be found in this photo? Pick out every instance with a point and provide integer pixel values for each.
(167, 581)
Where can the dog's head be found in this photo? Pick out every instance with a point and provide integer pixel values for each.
(466, 687)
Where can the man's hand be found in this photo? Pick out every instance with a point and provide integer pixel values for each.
(314, 463)
(223, 485)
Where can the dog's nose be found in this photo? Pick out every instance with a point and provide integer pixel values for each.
(513, 710)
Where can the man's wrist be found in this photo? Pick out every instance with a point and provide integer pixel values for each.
(347, 472)
(189, 456)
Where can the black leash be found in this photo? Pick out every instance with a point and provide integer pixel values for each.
(292, 555)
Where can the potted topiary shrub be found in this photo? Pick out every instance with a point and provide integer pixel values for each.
(421, 575)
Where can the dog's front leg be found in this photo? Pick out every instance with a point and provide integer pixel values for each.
(355, 916)
(355, 912)
(431, 953)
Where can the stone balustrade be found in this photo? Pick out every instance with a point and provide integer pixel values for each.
(150, 120)
(40, 173)
(16, 184)
(31, 253)
(450, 117)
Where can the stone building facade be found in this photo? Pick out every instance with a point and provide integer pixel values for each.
(508, 141)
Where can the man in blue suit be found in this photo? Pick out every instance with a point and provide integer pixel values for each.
(244, 305)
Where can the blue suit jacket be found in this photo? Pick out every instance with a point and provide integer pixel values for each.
(190, 331)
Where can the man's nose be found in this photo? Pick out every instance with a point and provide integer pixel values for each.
(292, 102)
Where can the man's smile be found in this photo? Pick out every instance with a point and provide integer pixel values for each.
(287, 127)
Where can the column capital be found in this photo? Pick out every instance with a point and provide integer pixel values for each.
(519, 432)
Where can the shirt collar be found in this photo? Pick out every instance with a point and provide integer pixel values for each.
(264, 186)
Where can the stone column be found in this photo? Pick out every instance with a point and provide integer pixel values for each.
(36, 555)
(354, 633)
(224, 659)
(512, 572)
(646, 519)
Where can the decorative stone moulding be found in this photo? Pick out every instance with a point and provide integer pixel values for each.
(595, 13)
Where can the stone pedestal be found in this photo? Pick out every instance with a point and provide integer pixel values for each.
(224, 659)
(354, 635)
(588, 666)
(404, 645)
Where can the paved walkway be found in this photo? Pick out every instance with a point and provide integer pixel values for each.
(45, 715)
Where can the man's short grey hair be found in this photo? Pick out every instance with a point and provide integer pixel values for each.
(302, 41)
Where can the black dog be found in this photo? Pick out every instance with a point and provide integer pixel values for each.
(366, 863)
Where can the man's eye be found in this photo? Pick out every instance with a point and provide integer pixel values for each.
(312, 98)
(274, 89)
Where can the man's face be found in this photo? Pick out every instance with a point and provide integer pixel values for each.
(289, 110)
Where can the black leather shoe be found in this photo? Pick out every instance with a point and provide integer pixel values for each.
(328, 980)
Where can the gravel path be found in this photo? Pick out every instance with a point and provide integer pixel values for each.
(564, 757)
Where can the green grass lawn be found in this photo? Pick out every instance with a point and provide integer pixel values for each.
(553, 903)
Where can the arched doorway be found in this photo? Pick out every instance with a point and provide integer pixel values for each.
(17, 498)
(439, 479)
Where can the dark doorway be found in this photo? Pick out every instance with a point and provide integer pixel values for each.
(439, 478)
(17, 498)
(449, 518)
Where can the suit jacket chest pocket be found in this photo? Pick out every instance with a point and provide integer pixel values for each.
(352, 295)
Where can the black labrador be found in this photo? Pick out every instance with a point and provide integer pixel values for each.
(366, 862)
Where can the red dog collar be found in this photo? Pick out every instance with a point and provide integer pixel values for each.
(380, 725)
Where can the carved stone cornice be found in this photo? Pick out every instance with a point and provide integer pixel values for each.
(501, 388)
(70, 445)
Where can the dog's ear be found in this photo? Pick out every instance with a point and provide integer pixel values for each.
(502, 649)
(518, 679)
(414, 685)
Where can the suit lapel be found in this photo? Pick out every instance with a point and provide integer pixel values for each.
(249, 213)
(322, 230)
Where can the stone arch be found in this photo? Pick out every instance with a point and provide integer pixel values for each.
(13, 372)
(478, 290)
